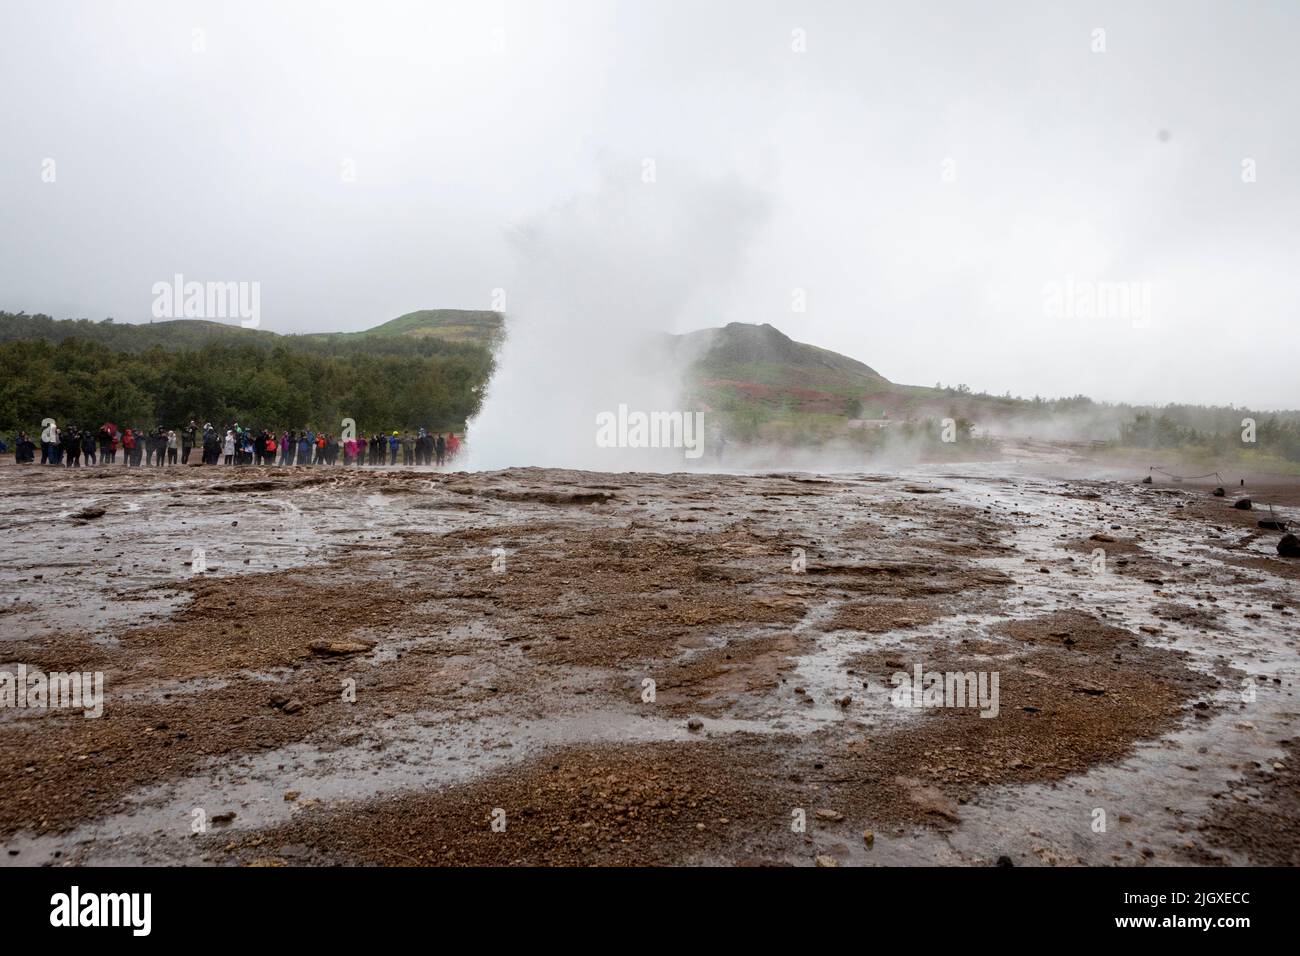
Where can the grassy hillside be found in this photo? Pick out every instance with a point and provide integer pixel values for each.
(450, 325)
(457, 326)
(755, 375)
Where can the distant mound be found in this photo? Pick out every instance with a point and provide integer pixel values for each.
(454, 326)
(764, 354)
(167, 334)
(451, 325)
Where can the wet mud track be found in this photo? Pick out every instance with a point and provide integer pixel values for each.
(555, 667)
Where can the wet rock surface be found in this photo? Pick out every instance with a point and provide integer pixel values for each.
(640, 668)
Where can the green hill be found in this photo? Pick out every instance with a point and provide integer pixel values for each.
(451, 325)
(759, 370)
(456, 326)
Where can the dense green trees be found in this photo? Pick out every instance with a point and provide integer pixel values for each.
(260, 380)
(1220, 431)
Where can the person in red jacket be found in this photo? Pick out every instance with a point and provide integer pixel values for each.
(128, 447)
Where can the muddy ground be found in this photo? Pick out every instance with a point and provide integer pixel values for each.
(556, 667)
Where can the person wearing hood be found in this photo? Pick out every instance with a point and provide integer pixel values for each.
(211, 447)
(71, 447)
(24, 449)
(229, 449)
(188, 435)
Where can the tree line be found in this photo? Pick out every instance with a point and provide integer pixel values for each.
(276, 381)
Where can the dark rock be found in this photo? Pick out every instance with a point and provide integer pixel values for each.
(1242, 505)
(340, 648)
(1006, 860)
(1289, 546)
(1219, 492)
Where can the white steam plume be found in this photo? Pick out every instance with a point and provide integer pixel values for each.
(600, 280)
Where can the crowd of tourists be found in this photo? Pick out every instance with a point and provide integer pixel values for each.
(71, 445)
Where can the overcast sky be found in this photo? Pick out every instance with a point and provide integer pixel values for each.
(920, 176)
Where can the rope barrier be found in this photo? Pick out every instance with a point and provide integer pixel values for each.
(1213, 474)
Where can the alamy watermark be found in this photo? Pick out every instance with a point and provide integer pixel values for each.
(624, 429)
(922, 688)
(179, 299)
(35, 690)
(75, 908)
(1088, 299)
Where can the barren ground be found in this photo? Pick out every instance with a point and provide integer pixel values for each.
(506, 627)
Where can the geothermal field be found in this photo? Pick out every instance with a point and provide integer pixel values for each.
(544, 666)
